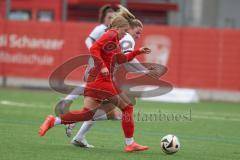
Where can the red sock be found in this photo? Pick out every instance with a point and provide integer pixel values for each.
(128, 121)
(84, 114)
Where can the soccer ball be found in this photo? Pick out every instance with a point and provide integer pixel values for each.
(170, 144)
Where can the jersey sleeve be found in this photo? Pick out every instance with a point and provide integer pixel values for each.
(123, 58)
(97, 32)
(89, 42)
(127, 44)
(132, 55)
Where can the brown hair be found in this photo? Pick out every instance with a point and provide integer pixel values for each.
(103, 12)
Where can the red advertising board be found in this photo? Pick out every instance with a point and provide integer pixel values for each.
(195, 57)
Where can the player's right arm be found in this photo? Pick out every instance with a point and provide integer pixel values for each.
(96, 33)
(99, 46)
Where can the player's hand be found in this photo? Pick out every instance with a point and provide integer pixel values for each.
(105, 71)
(151, 67)
(154, 71)
(145, 50)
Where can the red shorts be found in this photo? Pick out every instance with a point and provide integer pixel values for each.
(101, 89)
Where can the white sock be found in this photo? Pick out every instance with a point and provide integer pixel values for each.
(71, 97)
(75, 93)
(57, 121)
(83, 130)
(129, 141)
(118, 117)
(100, 115)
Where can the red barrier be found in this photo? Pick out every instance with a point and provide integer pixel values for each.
(196, 57)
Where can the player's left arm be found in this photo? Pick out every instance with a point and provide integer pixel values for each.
(123, 58)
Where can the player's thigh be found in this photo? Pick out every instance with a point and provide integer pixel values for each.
(107, 107)
(91, 103)
(121, 100)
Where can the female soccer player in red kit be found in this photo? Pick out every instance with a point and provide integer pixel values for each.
(107, 50)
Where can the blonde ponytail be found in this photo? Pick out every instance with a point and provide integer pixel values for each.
(122, 18)
(125, 13)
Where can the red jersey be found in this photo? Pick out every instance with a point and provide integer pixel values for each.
(107, 50)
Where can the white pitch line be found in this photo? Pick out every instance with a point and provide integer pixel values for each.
(215, 118)
(219, 114)
(20, 104)
(11, 103)
(202, 115)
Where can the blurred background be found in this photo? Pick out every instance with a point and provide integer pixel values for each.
(198, 40)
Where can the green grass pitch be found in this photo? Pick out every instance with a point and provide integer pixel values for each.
(207, 130)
